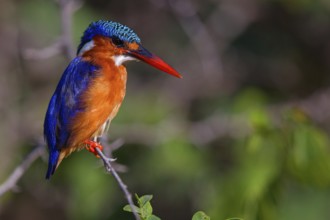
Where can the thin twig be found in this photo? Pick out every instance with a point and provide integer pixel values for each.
(109, 148)
(12, 180)
(107, 164)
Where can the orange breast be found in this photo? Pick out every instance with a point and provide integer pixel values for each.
(101, 102)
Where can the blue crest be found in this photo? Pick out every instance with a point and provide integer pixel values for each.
(108, 29)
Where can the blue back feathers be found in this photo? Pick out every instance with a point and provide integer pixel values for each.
(108, 29)
(64, 105)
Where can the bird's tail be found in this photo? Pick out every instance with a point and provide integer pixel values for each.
(52, 163)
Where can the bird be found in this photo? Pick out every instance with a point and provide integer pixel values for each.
(92, 88)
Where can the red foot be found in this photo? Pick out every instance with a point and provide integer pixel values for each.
(91, 147)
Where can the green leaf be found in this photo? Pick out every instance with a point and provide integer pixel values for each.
(200, 216)
(146, 210)
(128, 208)
(144, 199)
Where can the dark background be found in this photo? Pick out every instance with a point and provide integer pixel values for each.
(244, 134)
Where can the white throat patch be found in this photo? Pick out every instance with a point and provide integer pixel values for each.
(120, 59)
(87, 46)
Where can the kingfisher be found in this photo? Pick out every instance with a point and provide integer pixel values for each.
(92, 88)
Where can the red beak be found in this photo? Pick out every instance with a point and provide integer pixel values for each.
(151, 59)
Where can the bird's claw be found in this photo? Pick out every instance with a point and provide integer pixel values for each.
(91, 147)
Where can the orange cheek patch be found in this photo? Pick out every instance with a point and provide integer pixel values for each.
(133, 46)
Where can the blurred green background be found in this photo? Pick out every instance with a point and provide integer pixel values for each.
(244, 134)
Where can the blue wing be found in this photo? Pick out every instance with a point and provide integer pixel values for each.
(63, 106)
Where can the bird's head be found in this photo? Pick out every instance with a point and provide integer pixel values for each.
(121, 43)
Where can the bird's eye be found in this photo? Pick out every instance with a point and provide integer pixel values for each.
(116, 41)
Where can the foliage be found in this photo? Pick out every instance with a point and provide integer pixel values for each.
(200, 216)
(144, 209)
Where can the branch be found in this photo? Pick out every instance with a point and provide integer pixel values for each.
(109, 148)
(10, 183)
(107, 165)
